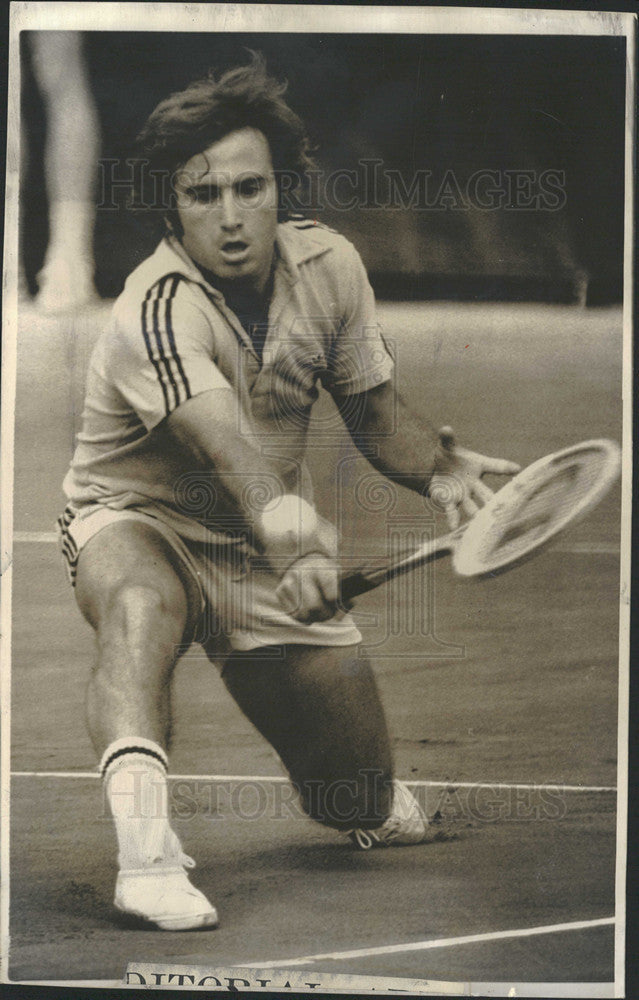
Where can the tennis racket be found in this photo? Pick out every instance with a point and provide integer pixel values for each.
(522, 517)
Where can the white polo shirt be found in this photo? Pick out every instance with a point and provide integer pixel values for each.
(172, 336)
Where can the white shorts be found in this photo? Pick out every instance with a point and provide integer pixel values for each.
(239, 607)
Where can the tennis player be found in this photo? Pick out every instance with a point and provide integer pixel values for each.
(204, 381)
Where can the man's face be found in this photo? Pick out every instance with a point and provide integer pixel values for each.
(227, 204)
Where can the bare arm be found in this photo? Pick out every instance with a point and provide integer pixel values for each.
(398, 443)
(287, 530)
(405, 448)
(206, 429)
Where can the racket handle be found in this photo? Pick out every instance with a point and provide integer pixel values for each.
(360, 581)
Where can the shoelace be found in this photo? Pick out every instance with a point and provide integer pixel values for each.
(180, 860)
(365, 839)
(175, 851)
(172, 852)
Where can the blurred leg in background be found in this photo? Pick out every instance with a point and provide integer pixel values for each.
(71, 153)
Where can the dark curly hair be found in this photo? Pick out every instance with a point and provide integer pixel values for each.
(189, 121)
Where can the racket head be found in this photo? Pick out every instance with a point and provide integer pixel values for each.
(535, 506)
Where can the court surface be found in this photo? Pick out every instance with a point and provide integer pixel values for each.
(501, 699)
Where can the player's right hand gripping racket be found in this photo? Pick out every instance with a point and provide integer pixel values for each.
(524, 515)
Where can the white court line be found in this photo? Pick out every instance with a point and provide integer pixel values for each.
(268, 778)
(394, 949)
(577, 548)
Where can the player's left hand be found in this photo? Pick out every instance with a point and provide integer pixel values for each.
(456, 486)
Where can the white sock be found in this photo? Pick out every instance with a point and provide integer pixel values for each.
(134, 772)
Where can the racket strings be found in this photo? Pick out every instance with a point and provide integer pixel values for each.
(540, 509)
(547, 504)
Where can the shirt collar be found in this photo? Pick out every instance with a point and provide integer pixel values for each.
(293, 247)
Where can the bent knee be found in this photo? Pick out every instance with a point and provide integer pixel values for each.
(139, 611)
(138, 638)
(363, 800)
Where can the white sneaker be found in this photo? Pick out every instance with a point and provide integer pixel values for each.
(164, 897)
(161, 893)
(407, 823)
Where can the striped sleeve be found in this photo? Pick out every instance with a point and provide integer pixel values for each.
(164, 353)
